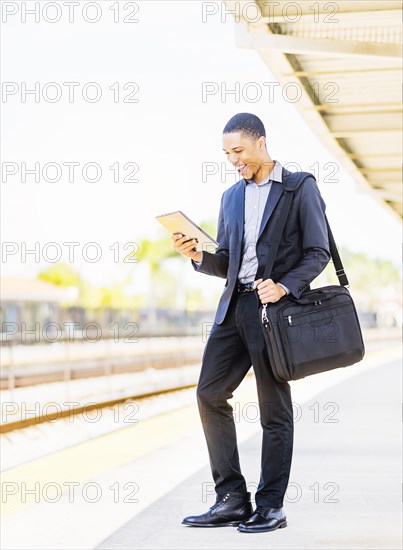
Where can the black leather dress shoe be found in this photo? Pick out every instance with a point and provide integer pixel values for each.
(264, 519)
(231, 509)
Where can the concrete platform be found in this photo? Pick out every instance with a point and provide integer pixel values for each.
(345, 484)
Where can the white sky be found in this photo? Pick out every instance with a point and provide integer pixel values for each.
(169, 134)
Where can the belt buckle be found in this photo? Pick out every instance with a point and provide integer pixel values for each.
(245, 287)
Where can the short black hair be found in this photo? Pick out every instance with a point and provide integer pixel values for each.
(248, 124)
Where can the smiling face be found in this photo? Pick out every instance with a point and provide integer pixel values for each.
(249, 156)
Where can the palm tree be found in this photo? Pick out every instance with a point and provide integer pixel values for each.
(154, 253)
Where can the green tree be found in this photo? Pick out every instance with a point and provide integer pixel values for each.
(210, 227)
(60, 274)
(154, 252)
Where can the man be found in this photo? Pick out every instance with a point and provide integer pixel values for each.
(248, 213)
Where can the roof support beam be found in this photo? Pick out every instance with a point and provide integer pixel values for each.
(316, 46)
(373, 155)
(355, 133)
(387, 196)
(304, 16)
(359, 107)
(345, 71)
(382, 170)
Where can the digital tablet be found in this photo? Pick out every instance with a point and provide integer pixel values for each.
(178, 222)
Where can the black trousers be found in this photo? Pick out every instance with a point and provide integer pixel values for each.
(231, 349)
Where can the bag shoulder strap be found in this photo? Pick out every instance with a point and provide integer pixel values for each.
(338, 264)
(292, 181)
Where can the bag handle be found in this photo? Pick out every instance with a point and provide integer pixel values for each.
(289, 188)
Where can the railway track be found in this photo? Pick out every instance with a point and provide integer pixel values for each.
(31, 375)
(88, 407)
(23, 442)
(24, 366)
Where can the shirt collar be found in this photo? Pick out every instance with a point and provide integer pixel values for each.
(275, 175)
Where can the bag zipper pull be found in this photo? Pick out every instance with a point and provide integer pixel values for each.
(265, 319)
(289, 319)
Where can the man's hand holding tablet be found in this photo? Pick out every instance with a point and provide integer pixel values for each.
(189, 239)
(186, 246)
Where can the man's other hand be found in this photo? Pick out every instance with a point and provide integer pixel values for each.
(186, 246)
(268, 291)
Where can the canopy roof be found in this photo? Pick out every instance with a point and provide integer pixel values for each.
(346, 58)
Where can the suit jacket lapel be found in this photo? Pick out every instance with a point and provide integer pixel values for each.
(239, 208)
(272, 200)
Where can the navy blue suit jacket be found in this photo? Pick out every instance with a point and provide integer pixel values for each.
(303, 250)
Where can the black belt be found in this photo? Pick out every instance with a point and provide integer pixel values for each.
(245, 287)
